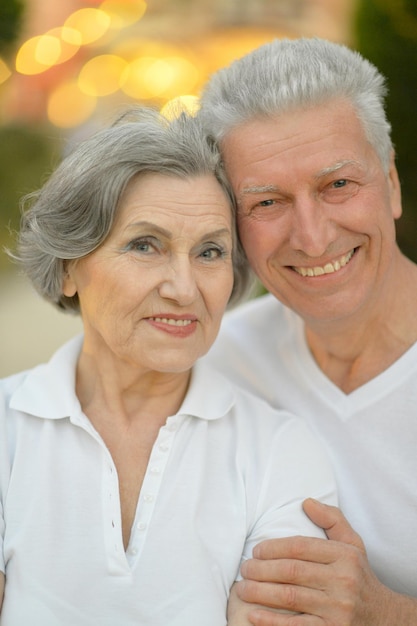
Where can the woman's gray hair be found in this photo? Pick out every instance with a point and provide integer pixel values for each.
(286, 75)
(73, 213)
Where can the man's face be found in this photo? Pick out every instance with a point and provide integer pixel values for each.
(315, 209)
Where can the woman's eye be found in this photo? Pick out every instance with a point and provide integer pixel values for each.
(212, 253)
(142, 245)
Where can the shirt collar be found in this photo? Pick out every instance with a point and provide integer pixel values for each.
(48, 390)
(210, 395)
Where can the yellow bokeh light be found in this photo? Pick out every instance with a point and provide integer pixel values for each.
(132, 48)
(124, 12)
(70, 42)
(183, 76)
(152, 77)
(101, 75)
(48, 50)
(37, 54)
(5, 72)
(134, 78)
(158, 77)
(68, 107)
(92, 24)
(173, 108)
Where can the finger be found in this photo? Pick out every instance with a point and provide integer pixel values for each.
(333, 522)
(260, 617)
(299, 548)
(289, 571)
(282, 597)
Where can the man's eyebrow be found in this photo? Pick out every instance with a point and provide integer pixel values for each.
(335, 167)
(259, 189)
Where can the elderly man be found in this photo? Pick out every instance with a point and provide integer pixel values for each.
(307, 147)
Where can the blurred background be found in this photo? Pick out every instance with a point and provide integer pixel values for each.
(69, 67)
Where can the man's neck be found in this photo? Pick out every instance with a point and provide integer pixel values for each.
(351, 352)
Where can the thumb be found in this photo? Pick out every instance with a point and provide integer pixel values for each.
(333, 522)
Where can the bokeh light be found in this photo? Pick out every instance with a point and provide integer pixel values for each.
(91, 23)
(69, 107)
(70, 42)
(101, 75)
(152, 77)
(123, 13)
(38, 54)
(105, 53)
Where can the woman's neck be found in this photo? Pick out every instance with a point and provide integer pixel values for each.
(123, 394)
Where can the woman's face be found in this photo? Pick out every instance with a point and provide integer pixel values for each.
(153, 294)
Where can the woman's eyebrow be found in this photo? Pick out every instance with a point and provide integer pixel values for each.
(151, 226)
(154, 228)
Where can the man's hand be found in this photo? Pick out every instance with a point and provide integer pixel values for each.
(329, 581)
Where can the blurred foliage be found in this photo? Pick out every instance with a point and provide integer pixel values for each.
(386, 34)
(26, 158)
(10, 18)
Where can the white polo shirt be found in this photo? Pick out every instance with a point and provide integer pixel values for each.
(225, 472)
(370, 434)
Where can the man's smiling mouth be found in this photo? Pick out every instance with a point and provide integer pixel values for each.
(329, 268)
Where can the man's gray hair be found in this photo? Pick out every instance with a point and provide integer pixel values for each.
(73, 213)
(286, 75)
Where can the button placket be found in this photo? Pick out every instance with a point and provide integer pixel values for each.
(151, 486)
(112, 519)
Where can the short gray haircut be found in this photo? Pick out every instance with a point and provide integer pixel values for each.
(73, 213)
(286, 75)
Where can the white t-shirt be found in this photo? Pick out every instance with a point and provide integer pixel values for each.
(370, 434)
(224, 473)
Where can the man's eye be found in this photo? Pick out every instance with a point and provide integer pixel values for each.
(342, 182)
(266, 202)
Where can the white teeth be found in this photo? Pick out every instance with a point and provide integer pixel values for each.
(329, 268)
(171, 322)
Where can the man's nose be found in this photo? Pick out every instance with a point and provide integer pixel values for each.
(312, 229)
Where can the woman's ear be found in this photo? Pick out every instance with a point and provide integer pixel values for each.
(69, 288)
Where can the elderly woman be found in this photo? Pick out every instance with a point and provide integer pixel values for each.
(133, 481)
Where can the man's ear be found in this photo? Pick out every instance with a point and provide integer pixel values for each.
(395, 188)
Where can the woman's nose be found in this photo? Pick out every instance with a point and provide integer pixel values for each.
(180, 283)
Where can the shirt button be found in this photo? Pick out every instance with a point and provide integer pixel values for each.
(164, 447)
(148, 497)
(155, 470)
(133, 551)
(172, 426)
(141, 526)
